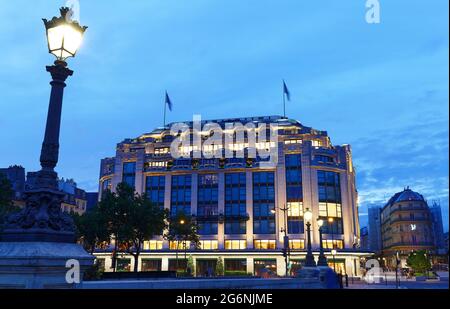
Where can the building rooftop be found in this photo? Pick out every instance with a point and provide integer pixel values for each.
(406, 195)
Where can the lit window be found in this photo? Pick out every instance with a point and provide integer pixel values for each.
(209, 244)
(316, 143)
(297, 244)
(153, 245)
(264, 244)
(235, 244)
(292, 141)
(295, 209)
(333, 244)
(161, 151)
(181, 245)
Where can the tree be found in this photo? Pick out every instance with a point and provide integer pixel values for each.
(219, 267)
(145, 220)
(418, 261)
(191, 265)
(114, 207)
(92, 229)
(183, 228)
(6, 194)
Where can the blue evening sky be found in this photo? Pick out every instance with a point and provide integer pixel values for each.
(383, 88)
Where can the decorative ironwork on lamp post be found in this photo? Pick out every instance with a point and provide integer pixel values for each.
(42, 218)
(309, 256)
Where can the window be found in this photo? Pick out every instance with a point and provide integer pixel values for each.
(259, 265)
(239, 244)
(106, 185)
(263, 203)
(333, 244)
(180, 195)
(153, 245)
(264, 244)
(235, 267)
(151, 265)
(129, 173)
(162, 151)
(207, 228)
(323, 159)
(330, 198)
(154, 189)
(209, 244)
(294, 194)
(123, 264)
(179, 245)
(297, 244)
(292, 141)
(235, 203)
(207, 204)
(332, 227)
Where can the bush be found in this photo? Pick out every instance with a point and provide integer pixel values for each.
(93, 273)
(237, 273)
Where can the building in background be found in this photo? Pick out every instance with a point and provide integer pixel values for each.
(406, 226)
(16, 176)
(92, 200)
(374, 229)
(75, 199)
(237, 201)
(364, 234)
(438, 228)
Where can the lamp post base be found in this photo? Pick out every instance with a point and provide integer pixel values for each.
(39, 265)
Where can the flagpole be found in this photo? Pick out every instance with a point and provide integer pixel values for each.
(165, 107)
(284, 104)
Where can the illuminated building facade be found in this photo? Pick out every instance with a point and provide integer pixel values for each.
(236, 201)
(406, 226)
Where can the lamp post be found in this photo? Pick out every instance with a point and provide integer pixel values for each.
(42, 218)
(286, 249)
(333, 253)
(309, 256)
(322, 258)
(38, 243)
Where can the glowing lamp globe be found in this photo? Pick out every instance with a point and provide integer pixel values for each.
(64, 35)
(308, 214)
(320, 222)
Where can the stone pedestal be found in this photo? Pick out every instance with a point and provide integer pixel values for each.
(38, 265)
(328, 277)
(308, 273)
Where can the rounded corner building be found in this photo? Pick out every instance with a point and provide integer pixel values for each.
(243, 207)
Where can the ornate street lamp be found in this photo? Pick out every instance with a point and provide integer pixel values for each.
(322, 258)
(42, 218)
(286, 249)
(309, 256)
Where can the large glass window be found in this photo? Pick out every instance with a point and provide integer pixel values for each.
(263, 203)
(207, 195)
(180, 195)
(235, 244)
(235, 267)
(294, 194)
(129, 173)
(209, 244)
(154, 189)
(330, 201)
(264, 244)
(151, 265)
(153, 245)
(207, 205)
(235, 203)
